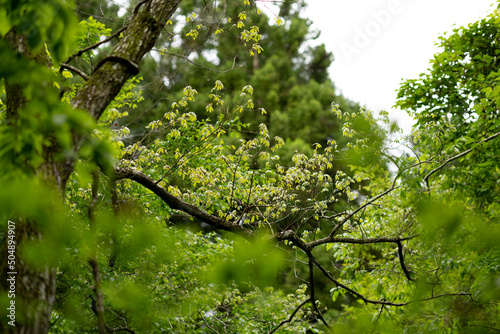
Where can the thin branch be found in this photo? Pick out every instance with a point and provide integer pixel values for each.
(378, 240)
(197, 64)
(311, 287)
(200, 142)
(349, 216)
(291, 316)
(402, 261)
(206, 323)
(440, 296)
(398, 175)
(488, 327)
(357, 294)
(380, 302)
(99, 307)
(96, 45)
(447, 161)
(178, 204)
(74, 70)
(119, 329)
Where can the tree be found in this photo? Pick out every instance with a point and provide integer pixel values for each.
(91, 210)
(456, 134)
(25, 30)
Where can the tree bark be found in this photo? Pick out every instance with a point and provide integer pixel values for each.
(35, 287)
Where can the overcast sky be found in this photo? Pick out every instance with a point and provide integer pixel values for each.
(376, 43)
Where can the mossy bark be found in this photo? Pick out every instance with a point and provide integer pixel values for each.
(36, 287)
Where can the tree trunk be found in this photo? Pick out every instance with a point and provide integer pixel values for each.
(36, 287)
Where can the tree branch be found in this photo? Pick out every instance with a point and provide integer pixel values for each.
(447, 161)
(378, 240)
(74, 70)
(138, 39)
(402, 261)
(99, 303)
(380, 302)
(96, 45)
(311, 287)
(178, 204)
(349, 216)
(291, 316)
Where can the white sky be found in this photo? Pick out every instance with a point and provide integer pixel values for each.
(398, 44)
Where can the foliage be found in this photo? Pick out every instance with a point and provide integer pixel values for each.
(191, 221)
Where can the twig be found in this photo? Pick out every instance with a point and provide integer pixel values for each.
(208, 325)
(349, 216)
(194, 63)
(311, 286)
(99, 309)
(119, 329)
(74, 70)
(88, 48)
(291, 316)
(447, 161)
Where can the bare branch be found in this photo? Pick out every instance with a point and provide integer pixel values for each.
(197, 64)
(311, 287)
(91, 47)
(447, 161)
(378, 240)
(350, 215)
(291, 316)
